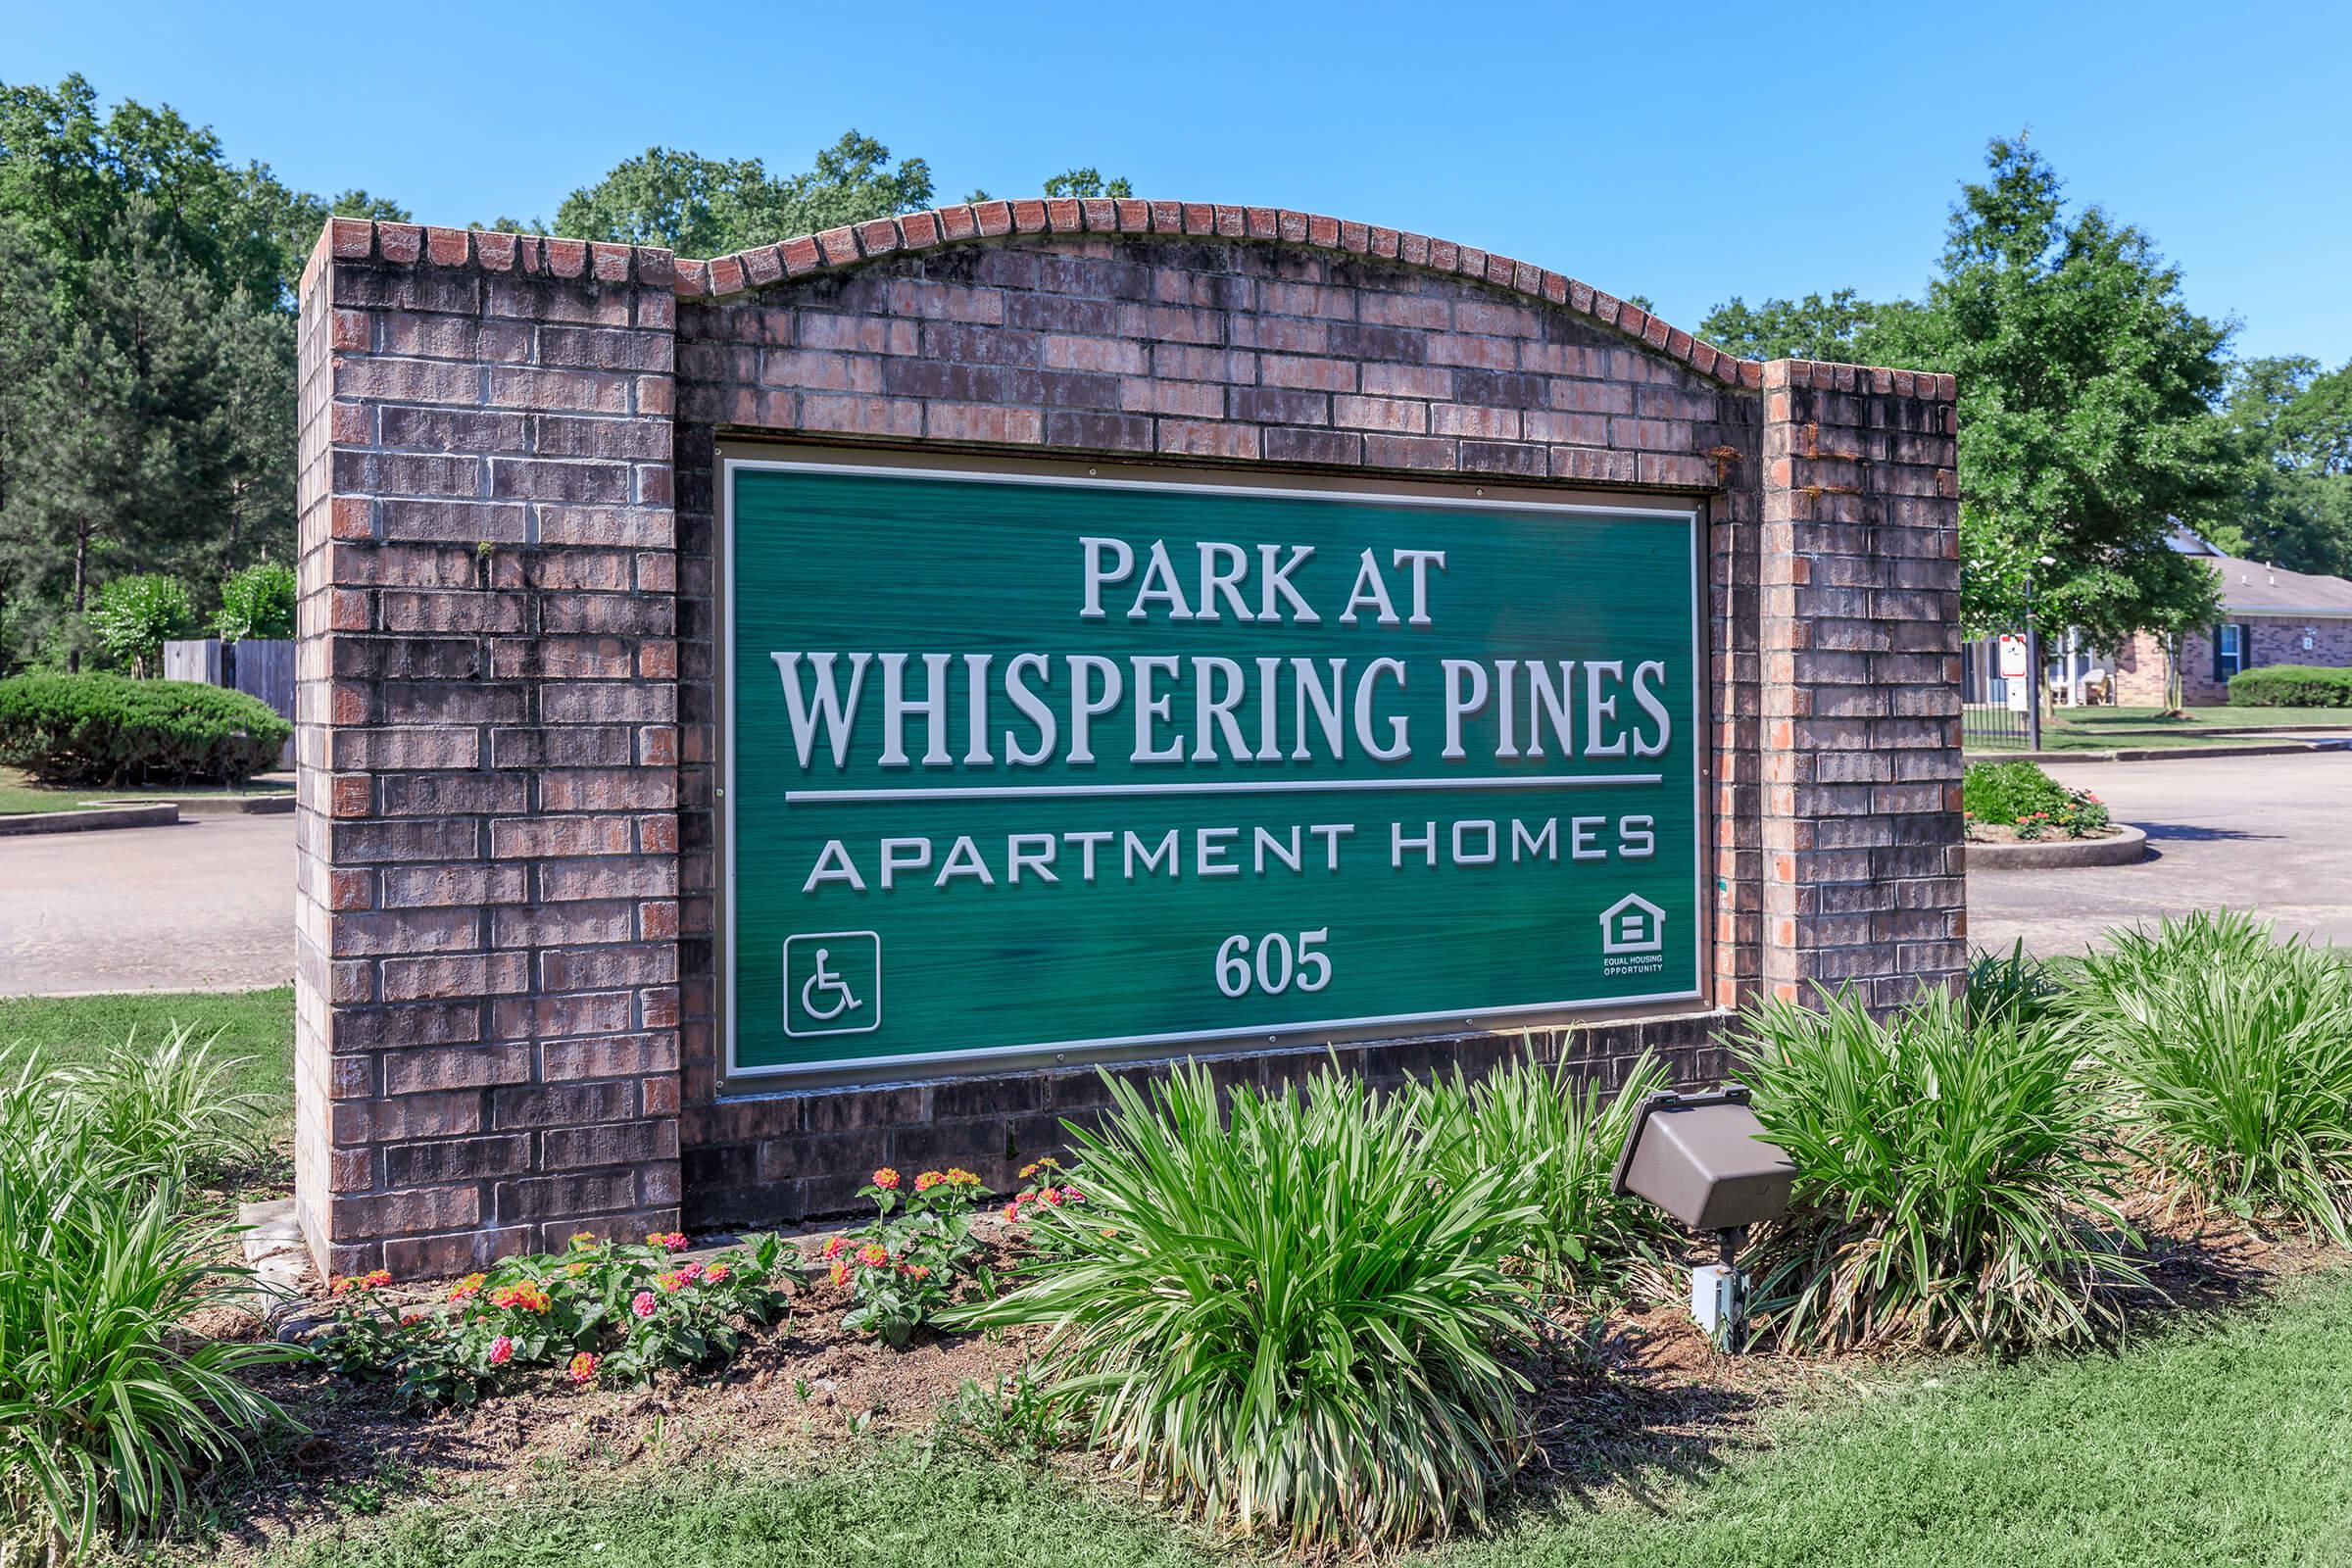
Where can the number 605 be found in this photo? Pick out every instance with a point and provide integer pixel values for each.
(1274, 963)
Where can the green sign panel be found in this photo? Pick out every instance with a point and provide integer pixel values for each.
(1026, 764)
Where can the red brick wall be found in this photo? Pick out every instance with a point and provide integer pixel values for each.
(1188, 333)
(487, 745)
(2270, 640)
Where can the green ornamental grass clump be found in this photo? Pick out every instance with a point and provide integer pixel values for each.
(104, 730)
(2232, 1050)
(109, 1403)
(1559, 1133)
(1951, 1187)
(1284, 1318)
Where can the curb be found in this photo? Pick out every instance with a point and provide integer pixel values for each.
(2162, 753)
(162, 813)
(2127, 848)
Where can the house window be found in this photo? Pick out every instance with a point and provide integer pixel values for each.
(2230, 652)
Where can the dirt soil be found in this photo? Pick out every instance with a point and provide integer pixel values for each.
(1620, 1401)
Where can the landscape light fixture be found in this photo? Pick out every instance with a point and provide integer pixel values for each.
(1703, 1158)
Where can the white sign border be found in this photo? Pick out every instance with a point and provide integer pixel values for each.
(855, 1071)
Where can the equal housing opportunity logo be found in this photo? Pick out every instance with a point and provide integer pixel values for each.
(1633, 937)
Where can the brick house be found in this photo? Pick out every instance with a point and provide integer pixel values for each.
(2270, 616)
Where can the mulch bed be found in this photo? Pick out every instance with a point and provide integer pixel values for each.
(1619, 1401)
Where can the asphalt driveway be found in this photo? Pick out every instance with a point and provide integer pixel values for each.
(206, 905)
(2271, 834)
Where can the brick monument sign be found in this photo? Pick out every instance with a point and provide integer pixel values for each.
(766, 717)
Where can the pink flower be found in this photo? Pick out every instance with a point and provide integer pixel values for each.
(1012, 1213)
(502, 1351)
(714, 1274)
(690, 1272)
(1071, 1195)
(1050, 1197)
(582, 1368)
(641, 1303)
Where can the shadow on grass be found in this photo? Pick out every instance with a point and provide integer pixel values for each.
(1609, 1422)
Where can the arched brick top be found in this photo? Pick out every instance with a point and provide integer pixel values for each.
(836, 249)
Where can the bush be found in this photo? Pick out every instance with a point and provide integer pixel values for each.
(908, 1261)
(1285, 1320)
(257, 602)
(108, 1401)
(135, 616)
(1558, 1135)
(104, 730)
(2019, 794)
(2291, 686)
(1950, 1189)
(602, 1309)
(2234, 1050)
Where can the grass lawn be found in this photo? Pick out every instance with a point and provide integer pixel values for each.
(2222, 1444)
(18, 794)
(256, 1025)
(2077, 729)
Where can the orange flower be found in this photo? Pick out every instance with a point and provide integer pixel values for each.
(373, 1280)
(583, 1239)
(716, 1273)
(582, 1368)
(1012, 1213)
(669, 1282)
(887, 1178)
(835, 1246)
(467, 1289)
(916, 1271)
(525, 1297)
(841, 1273)
(958, 1176)
(928, 1179)
(874, 1255)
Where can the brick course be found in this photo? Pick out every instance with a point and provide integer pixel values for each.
(2139, 668)
(508, 723)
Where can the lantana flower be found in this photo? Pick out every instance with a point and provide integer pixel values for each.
(502, 1351)
(373, 1280)
(669, 1282)
(716, 1274)
(928, 1179)
(887, 1178)
(467, 1289)
(641, 1303)
(874, 1255)
(582, 1368)
(958, 1176)
(835, 1246)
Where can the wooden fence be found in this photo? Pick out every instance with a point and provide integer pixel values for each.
(262, 667)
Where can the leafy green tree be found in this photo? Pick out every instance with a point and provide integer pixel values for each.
(1086, 181)
(137, 615)
(257, 602)
(2293, 423)
(147, 412)
(2087, 388)
(701, 206)
(1840, 327)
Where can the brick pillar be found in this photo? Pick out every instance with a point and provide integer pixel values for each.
(1860, 700)
(486, 1052)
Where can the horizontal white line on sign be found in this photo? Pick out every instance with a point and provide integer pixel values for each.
(1012, 792)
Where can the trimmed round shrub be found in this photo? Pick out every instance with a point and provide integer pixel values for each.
(2291, 686)
(105, 730)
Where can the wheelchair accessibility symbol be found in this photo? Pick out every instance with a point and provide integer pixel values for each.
(832, 983)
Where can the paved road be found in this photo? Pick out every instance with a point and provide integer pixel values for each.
(207, 906)
(2272, 834)
(210, 905)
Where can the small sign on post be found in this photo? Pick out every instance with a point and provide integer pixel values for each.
(2015, 661)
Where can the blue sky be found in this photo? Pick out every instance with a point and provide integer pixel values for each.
(1688, 152)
